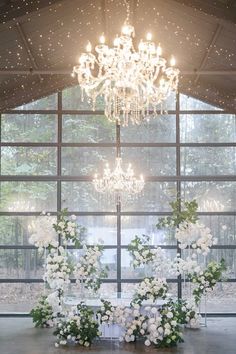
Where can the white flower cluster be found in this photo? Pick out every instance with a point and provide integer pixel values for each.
(197, 235)
(186, 266)
(150, 289)
(88, 270)
(57, 269)
(42, 233)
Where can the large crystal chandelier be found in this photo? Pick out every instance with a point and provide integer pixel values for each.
(134, 83)
(118, 181)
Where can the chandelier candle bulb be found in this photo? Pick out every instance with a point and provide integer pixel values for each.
(89, 47)
(172, 61)
(149, 36)
(102, 39)
(159, 50)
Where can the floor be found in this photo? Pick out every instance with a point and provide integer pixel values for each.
(18, 336)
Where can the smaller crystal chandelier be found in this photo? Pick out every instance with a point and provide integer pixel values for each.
(133, 83)
(119, 182)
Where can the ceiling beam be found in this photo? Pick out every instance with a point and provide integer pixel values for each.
(14, 11)
(27, 47)
(209, 49)
(31, 71)
(215, 8)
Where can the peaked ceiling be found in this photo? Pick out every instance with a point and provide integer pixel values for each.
(41, 40)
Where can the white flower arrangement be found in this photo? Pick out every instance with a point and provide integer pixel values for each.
(89, 271)
(140, 251)
(67, 228)
(142, 255)
(42, 314)
(57, 270)
(162, 328)
(134, 321)
(150, 289)
(196, 236)
(186, 266)
(80, 328)
(106, 313)
(42, 233)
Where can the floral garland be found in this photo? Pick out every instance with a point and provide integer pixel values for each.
(207, 279)
(78, 328)
(150, 289)
(42, 314)
(197, 235)
(88, 271)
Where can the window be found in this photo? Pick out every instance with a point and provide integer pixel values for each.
(48, 160)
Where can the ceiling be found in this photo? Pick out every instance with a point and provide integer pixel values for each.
(47, 36)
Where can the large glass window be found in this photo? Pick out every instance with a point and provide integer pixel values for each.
(49, 157)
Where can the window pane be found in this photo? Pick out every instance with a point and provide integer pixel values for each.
(19, 297)
(211, 196)
(49, 102)
(145, 225)
(151, 161)
(28, 196)
(73, 99)
(99, 229)
(16, 230)
(210, 128)
(78, 161)
(160, 129)
(87, 128)
(81, 196)
(28, 160)
(222, 227)
(156, 196)
(190, 103)
(28, 128)
(128, 272)
(26, 264)
(208, 161)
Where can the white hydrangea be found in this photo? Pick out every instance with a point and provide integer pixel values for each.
(42, 233)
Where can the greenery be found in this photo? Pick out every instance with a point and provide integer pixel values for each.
(207, 279)
(42, 314)
(182, 211)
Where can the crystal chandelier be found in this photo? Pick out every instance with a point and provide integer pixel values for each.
(118, 182)
(133, 83)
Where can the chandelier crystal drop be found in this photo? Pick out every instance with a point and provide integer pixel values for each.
(134, 83)
(118, 181)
